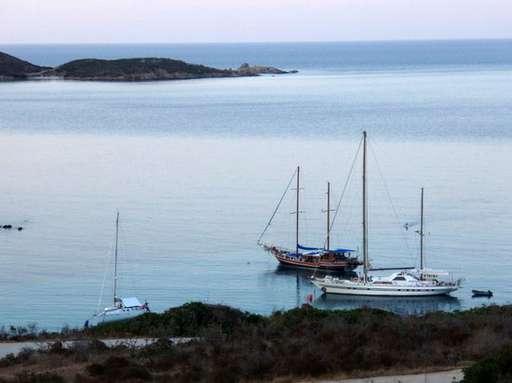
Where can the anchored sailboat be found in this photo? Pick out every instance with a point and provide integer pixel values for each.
(406, 282)
(123, 308)
(325, 258)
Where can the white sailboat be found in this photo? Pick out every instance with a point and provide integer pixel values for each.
(122, 308)
(404, 283)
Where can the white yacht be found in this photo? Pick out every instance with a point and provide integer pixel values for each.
(404, 283)
(122, 308)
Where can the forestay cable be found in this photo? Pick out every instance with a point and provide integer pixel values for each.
(344, 189)
(107, 265)
(397, 217)
(277, 207)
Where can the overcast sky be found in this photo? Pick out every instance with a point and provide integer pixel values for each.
(169, 21)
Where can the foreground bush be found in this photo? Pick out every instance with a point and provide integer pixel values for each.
(494, 369)
(229, 345)
(187, 320)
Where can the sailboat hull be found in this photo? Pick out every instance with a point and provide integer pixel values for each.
(344, 287)
(116, 315)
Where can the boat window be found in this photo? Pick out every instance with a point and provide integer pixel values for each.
(399, 279)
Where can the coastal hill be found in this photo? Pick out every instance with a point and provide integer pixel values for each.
(137, 69)
(133, 69)
(13, 68)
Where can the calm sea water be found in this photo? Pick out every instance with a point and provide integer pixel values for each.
(196, 168)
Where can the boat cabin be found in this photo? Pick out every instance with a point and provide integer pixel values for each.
(401, 277)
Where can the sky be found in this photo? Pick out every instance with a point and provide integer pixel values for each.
(189, 21)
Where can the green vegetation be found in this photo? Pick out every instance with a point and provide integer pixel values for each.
(494, 369)
(229, 345)
(137, 69)
(133, 69)
(189, 320)
(12, 68)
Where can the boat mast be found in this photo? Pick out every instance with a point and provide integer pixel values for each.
(297, 212)
(328, 211)
(422, 262)
(365, 213)
(115, 258)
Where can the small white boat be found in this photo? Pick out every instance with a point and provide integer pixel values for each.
(404, 283)
(123, 308)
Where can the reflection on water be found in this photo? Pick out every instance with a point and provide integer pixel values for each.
(398, 305)
(306, 274)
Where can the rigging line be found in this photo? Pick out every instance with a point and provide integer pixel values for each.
(102, 289)
(397, 217)
(336, 211)
(277, 208)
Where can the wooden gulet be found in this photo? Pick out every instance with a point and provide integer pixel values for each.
(325, 258)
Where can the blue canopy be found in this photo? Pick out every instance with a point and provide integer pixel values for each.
(322, 249)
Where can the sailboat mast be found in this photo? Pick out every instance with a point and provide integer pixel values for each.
(297, 212)
(365, 213)
(328, 215)
(115, 258)
(422, 262)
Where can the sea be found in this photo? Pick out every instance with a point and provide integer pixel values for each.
(196, 168)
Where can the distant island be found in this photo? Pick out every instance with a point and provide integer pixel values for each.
(13, 68)
(133, 69)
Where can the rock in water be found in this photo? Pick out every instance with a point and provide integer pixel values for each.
(260, 69)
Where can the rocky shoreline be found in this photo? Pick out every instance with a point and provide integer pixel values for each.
(129, 70)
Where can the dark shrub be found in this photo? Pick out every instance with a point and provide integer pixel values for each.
(485, 371)
(95, 369)
(8, 360)
(25, 356)
(188, 320)
(57, 348)
(494, 369)
(47, 377)
(117, 368)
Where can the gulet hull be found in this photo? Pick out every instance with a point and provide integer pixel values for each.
(328, 262)
(322, 266)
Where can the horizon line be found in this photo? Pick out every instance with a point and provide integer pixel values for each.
(447, 39)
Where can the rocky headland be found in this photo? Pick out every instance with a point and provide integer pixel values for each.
(13, 68)
(132, 69)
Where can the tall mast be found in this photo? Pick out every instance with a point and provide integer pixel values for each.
(422, 262)
(297, 213)
(365, 213)
(328, 215)
(115, 258)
